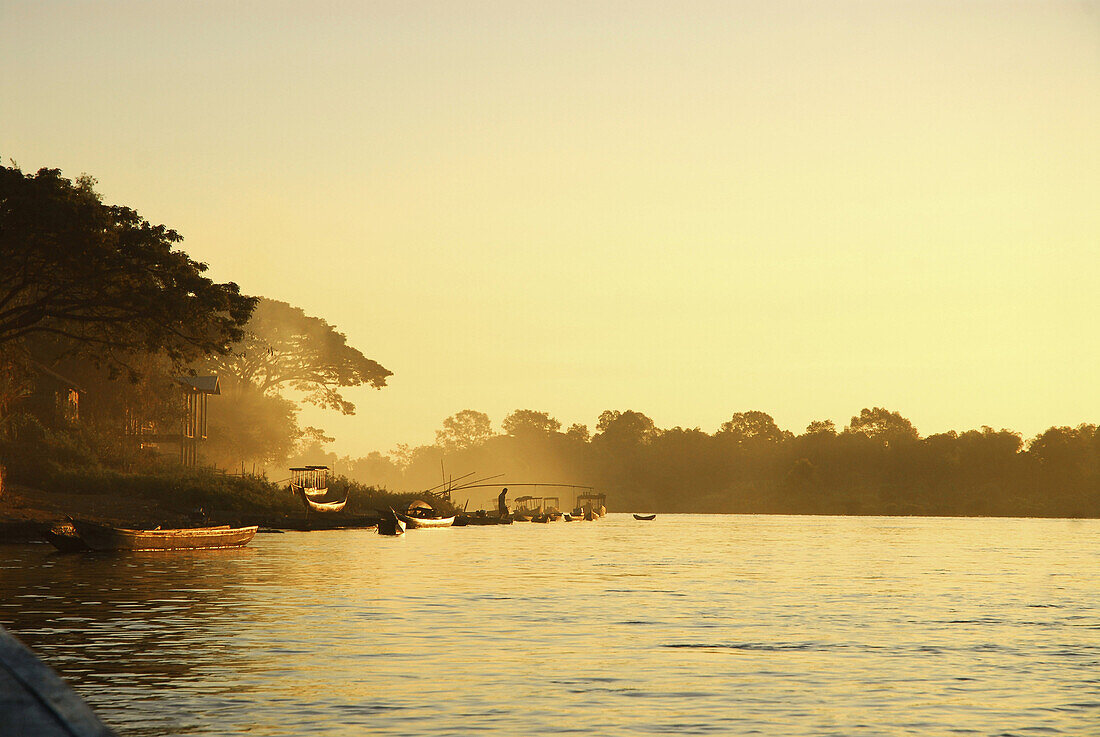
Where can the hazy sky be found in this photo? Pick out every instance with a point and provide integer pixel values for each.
(687, 209)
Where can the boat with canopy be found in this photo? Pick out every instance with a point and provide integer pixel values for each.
(420, 515)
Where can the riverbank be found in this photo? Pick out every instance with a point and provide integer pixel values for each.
(27, 512)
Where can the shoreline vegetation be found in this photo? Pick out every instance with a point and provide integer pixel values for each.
(179, 498)
(127, 375)
(878, 464)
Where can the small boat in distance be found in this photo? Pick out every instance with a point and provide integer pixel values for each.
(645, 517)
(105, 537)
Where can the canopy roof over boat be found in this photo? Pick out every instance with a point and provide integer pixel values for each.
(311, 477)
(418, 504)
(591, 497)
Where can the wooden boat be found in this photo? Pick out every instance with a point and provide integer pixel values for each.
(317, 506)
(311, 493)
(104, 537)
(391, 524)
(645, 517)
(472, 520)
(35, 701)
(414, 523)
(63, 537)
(311, 481)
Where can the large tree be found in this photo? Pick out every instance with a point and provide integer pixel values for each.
(102, 277)
(627, 428)
(466, 429)
(529, 423)
(881, 424)
(753, 425)
(283, 347)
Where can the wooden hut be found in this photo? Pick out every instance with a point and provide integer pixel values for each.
(195, 391)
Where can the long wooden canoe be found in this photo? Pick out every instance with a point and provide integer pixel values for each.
(103, 537)
(645, 517)
(414, 523)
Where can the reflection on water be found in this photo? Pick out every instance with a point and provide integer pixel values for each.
(686, 625)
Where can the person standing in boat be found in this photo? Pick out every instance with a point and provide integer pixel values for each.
(502, 506)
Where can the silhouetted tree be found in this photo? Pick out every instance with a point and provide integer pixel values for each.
(752, 425)
(528, 422)
(821, 427)
(883, 425)
(464, 429)
(578, 432)
(624, 428)
(283, 347)
(103, 277)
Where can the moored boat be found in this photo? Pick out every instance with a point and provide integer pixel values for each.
(420, 514)
(320, 506)
(414, 523)
(63, 537)
(105, 537)
(391, 524)
(645, 517)
(472, 520)
(310, 481)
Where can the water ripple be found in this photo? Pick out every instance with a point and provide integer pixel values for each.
(804, 626)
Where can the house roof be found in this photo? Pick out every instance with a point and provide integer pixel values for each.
(201, 384)
(64, 380)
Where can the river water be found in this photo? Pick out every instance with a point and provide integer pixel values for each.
(686, 625)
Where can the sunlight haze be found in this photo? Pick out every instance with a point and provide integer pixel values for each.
(686, 209)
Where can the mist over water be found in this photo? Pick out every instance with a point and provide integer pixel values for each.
(687, 625)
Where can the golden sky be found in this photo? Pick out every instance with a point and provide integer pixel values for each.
(687, 209)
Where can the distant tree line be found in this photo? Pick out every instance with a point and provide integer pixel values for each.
(877, 464)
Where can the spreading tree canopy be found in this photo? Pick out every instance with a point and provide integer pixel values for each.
(752, 425)
(103, 278)
(528, 422)
(283, 347)
(466, 429)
